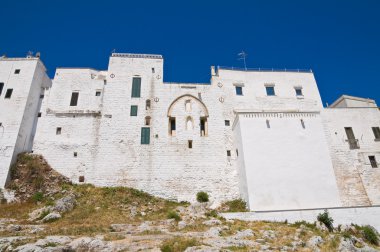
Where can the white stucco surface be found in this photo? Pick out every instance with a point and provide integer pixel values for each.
(278, 152)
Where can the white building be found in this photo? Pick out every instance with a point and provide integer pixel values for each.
(22, 83)
(260, 135)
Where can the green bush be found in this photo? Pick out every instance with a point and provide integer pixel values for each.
(326, 219)
(173, 215)
(202, 197)
(370, 235)
(37, 197)
(236, 205)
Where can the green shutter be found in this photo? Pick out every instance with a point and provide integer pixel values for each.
(145, 135)
(136, 87)
(133, 110)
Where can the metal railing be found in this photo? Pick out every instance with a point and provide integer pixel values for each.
(353, 143)
(265, 69)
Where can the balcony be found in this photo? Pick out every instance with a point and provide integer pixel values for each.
(353, 143)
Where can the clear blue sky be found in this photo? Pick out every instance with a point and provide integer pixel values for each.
(339, 40)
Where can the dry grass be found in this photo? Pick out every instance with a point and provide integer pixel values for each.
(98, 208)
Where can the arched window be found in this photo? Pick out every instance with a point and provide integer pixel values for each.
(147, 120)
(189, 123)
(147, 104)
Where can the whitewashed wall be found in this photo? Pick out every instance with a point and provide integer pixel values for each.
(359, 183)
(18, 114)
(288, 166)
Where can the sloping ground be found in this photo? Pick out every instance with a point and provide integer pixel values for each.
(68, 217)
(31, 175)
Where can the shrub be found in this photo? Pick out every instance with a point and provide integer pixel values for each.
(236, 205)
(178, 244)
(38, 196)
(370, 235)
(202, 197)
(326, 219)
(173, 215)
(212, 213)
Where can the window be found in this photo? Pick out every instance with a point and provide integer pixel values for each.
(190, 144)
(147, 121)
(203, 126)
(352, 141)
(136, 86)
(74, 99)
(172, 126)
(58, 131)
(17, 71)
(42, 96)
(376, 132)
(303, 124)
(8, 94)
(153, 71)
(239, 90)
(237, 152)
(227, 122)
(39, 114)
(75, 154)
(228, 153)
(147, 104)
(98, 93)
(298, 91)
(268, 124)
(1, 87)
(270, 91)
(133, 110)
(81, 179)
(373, 161)
(145, 135)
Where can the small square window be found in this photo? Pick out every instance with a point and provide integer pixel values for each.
(376, 132)
(75, 154)
(228, 153)
(98, 93)
(299, 91)
(58, 131)
(17, 71)
(239, 90)
(42, 96)
(39, 114)
(8, 94)
(190, 144)
(227, 122)
(81, 179)
(270, 91)
(74, 99)
(133, 110)
(372, 160)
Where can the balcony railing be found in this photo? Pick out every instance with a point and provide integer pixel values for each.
(353, 143)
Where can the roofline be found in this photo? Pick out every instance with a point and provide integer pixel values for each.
(264, 69)
(352, 98)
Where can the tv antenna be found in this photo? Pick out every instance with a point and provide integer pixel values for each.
(243, 56)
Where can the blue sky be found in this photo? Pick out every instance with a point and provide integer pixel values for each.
(339, 40)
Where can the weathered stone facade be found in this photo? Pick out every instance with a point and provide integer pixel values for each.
(260, 135)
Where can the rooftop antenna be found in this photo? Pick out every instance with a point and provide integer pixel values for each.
(29, 54)
(243, 56)
(113, 51)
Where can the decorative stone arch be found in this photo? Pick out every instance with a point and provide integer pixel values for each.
(169, 114)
